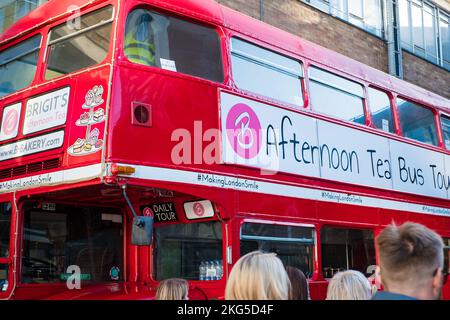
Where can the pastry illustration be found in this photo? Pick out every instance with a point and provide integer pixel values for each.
(98, 115)
(87, 147)
(90, 97)
(98, 94)
(84, 118)
(93, 135)
(78, 145)
(98, 144)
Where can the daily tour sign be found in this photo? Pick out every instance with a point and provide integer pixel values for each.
(277, 140)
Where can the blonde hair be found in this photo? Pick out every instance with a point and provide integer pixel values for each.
(258, 276)
(349, 285)
(172, 289)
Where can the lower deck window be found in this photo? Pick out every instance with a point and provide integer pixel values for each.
(3, 277)
(88, 237)
(292, 244)
(344, 249)
(191, 251)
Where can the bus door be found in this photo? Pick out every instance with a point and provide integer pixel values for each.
(7, 245)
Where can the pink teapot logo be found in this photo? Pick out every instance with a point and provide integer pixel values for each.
(244, 131)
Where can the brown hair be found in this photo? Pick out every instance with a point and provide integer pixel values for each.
(409, 252)
(172, 289)
(299, 285)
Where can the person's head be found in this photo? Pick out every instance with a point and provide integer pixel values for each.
(258, 276)
(411, 260)
(299, 285)
(172, 289)
(349, 285)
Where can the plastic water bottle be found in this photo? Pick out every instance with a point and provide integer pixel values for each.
(202, 270)
(220, 270)
(208, 270)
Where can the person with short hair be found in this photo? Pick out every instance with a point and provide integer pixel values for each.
(411, 262)
(349, 285)
(258, 276)
(299, 284)
(172, 289)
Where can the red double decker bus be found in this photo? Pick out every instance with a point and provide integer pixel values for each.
(145, 139)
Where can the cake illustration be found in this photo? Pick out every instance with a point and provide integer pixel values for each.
(90, 98)
(84, 118)
(87, 146)
(98, 144)
(98, 115)
(78, 145)
(93, 135)
(98, 94)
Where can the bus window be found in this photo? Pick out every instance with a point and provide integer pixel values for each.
(18, 65)
(381, 110)
(446, 269)
(5, 222)
(77, 45)
(417, 122)
(336, 96)
(266, 73)
(88, 237)
(344, 249)
(445, 124)
(3, 277)
(292, 244)
(181, 249)
(153, 39)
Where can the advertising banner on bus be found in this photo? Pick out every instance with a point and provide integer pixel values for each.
(277, 140)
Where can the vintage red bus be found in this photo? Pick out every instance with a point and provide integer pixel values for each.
(231, 134)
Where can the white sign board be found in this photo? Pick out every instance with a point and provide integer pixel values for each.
(46, 111)
(33, 145)
(10, 121)
(277, 140)
(199, 209)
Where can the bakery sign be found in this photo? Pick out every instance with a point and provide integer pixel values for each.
(46, 111)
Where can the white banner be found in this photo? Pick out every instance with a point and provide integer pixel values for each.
(29, 146)
(277, 140)
(46, 111)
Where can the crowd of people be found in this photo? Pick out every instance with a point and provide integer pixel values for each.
(411, 261)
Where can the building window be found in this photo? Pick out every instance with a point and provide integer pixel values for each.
(266, 73)
(344, 249)
(366, 14)
(425, 31)
(347, 96)
(417, 122)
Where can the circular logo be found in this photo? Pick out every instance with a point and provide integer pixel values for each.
(114, 273)
(244, 131)
(10, 122)
(147, 212)
(199, 210)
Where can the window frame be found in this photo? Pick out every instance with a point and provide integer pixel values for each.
(13, 250)
(344, 226)
(273, 66)
(314, 245)
(392, 105)
(48, 43)
(363, 96)
(221, 35)
(20, 242)
(435, 117)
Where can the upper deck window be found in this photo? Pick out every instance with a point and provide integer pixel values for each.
(266, 73)
(417, 122)
(336, 96)
(445, 124)
(153, 39)
(79, 44)
(380, 107)
(18, 65)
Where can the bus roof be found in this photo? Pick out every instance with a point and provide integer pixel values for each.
(211, 11)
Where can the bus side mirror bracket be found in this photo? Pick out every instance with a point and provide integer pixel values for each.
(142, 231)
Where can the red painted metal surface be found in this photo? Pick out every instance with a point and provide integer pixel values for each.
(178, 101)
